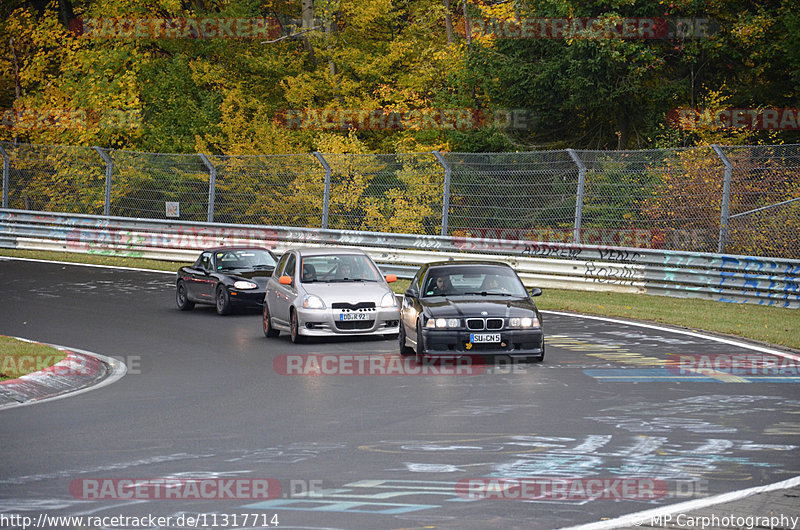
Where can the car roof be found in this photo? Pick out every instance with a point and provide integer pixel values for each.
(223, 249)
(328, 251)
(476, 262)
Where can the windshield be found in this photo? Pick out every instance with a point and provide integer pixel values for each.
(339, 268)
(475, 280)
(244, 259)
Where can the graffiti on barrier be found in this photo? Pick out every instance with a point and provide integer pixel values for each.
(619, 275)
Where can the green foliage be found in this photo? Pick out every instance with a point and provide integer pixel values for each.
(222, 95)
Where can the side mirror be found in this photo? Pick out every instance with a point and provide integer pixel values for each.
(411, 293)
(536, 291)
(391, 278)
(285, 280)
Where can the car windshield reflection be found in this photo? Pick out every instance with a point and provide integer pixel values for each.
(472, 281)
(245, 259)
(338, 269)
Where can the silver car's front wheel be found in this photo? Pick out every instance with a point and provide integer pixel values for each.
(269, 331)
(297, 338)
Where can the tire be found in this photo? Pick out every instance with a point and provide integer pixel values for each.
(269, 331)
(401, 338)
(419, 353)
(540, 359)
(297, 338)
(181, 298)
(223, 299)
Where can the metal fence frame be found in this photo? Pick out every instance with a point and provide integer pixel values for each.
(577, 157)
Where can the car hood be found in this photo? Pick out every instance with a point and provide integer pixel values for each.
(260, 276)
(349, 292)
(461, 306)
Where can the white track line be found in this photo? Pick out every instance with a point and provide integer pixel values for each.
(645, 517)
(12, 258)
(722, 340)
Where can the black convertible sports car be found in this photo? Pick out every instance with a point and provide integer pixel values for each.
(224, 277)
(480, 308)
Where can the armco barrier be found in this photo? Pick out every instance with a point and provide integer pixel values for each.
(741, 279)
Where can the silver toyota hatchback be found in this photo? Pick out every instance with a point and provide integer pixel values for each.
(317, 292)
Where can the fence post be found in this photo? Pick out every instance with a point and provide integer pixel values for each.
(724, 215)
(212, 186)
(6, 169)
(445, 191)
(576, 234)
(327, 193)
(109, 170)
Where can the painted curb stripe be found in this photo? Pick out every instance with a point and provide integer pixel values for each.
(117, 370)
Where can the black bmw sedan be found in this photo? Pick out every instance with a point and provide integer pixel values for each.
(224, 277)
(477, 308)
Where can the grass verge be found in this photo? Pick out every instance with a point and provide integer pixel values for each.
(773, 325)
(18, 357)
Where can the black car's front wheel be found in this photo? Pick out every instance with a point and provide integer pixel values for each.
(182, 298)
(419, 351)
(223, 300)
(269, 331)
(541, 357)
(401, 338)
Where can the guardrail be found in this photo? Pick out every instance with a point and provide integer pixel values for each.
(726, 278)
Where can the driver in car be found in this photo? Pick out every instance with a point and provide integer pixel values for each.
(442, 286)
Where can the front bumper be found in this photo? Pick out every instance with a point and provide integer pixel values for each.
(249, 297)
(328, 322)
(513, 342)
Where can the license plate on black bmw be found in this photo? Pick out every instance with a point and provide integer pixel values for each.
(484, 337)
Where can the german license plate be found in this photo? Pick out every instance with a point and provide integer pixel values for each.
(353, 316)
(484, 337)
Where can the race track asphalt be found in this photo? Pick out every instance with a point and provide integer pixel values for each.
(207, 397)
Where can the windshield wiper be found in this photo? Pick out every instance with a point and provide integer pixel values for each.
(489, 293)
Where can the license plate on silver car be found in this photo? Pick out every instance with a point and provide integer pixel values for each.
(353, 316)
(484, 337)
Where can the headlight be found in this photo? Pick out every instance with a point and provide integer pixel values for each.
(241, 284)
(524, 322)
(311, 301)
(443, 323)
(389, 300)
